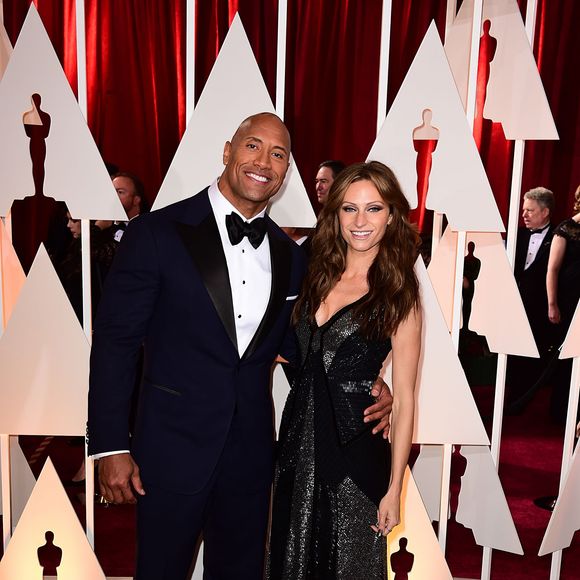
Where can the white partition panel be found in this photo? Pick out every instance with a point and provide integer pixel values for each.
(198, 159)
(49, 510)
(74, 170)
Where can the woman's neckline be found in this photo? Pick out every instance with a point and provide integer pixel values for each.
(339, 311)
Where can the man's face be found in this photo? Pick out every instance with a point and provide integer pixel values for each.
(256, 161)
(535, 216)
(324, 179)
(126, 191)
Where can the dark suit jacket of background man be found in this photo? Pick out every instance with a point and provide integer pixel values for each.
(170, 284)
(532, 286)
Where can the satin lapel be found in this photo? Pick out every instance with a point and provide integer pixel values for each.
(281, 259)
(204, 244)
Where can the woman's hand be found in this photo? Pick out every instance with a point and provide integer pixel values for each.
(389, 513)
(554, 314)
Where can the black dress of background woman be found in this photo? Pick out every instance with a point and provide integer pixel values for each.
(563, 289)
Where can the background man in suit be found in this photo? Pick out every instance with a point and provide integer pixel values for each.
(208, 285)
(327, 172)
(531, 265)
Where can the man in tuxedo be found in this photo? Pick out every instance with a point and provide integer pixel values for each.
(207, 285)
(530, 267)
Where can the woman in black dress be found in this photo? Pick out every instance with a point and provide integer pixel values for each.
(563, 279)
(337, 488)
(563, 288)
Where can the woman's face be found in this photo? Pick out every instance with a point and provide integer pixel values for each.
(74, 226)
(363, 216)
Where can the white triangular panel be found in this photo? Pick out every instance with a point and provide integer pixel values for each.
(74, 170)
(44, 357)
(571, 346)
(197, 573)
(280, 390)
(5, 49)
(440, 380)
(291, 207)
(49, 509)
(458, 184)
(415, 525)
(565, 518)
(495, 279)
(198, 159)
(22, 481)
(12, 274)
(515, 95)
(482, 505)
(427, 472)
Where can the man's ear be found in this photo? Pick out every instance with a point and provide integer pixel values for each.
(227, 151)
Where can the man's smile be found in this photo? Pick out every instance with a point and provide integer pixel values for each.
(257, 177)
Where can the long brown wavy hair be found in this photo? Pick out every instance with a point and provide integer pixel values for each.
(393, 287)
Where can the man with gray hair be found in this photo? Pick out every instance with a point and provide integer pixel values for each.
(531, 265)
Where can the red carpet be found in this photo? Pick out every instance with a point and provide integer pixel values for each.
(529, 468)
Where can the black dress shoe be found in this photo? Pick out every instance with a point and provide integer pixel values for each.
(547, 502)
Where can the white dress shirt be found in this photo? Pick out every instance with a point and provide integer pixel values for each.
(249, 270)
(536, 241)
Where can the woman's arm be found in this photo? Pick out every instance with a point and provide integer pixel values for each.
(406, 350)
(557, 251)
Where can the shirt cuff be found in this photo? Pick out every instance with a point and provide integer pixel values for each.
(107, 453)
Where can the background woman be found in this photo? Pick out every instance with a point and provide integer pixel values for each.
(563, 288)
(337, 488)
(563, 279)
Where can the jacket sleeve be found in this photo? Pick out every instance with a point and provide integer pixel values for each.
(128, 301)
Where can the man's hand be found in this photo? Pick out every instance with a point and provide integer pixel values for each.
(381, 410)
(118, 477)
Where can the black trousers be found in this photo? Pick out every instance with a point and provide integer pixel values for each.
(231, 515)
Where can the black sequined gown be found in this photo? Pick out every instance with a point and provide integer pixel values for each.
(331, 471)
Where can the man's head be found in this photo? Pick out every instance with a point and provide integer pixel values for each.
(327, 172)
(537, 207)
(256, 161)
(130, 191)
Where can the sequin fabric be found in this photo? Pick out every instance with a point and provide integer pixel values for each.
(331, 471)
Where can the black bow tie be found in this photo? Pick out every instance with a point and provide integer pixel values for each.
(539, 230)
(238, 228)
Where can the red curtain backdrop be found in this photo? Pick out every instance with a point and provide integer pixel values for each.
(136, 79)
(213, 19)
(136, 83)
(556, 164)
(331, 81)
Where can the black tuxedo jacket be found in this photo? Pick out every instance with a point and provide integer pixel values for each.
(532, 284)
(169, 290)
